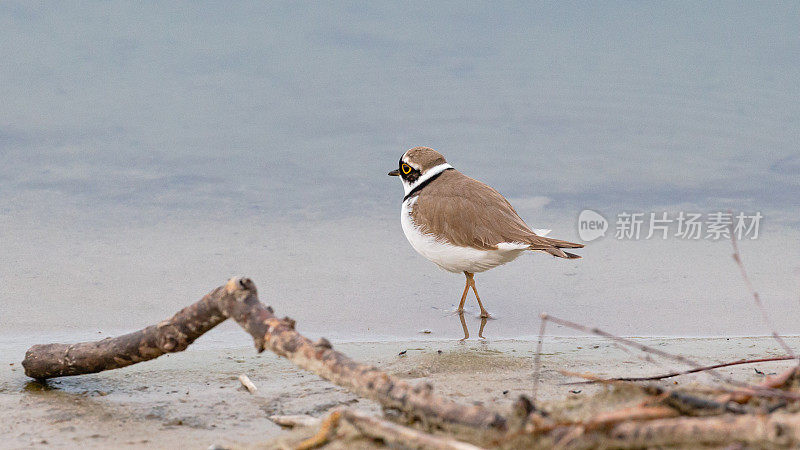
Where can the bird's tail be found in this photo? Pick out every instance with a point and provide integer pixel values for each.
(554, 246)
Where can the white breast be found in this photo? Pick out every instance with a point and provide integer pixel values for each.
(451, 257)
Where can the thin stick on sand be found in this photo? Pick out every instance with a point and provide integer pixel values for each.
(753, 390)
(245, 380)
(537, 360)
(628, 342)
(686, 372)
(645, 357)
(757, 298)
(298, 420)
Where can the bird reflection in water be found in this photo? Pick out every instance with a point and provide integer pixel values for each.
(466, 330)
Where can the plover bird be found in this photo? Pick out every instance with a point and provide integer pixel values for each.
(461, 224)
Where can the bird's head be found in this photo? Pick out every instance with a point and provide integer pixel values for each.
(417, 165)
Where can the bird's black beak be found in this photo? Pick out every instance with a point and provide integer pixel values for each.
(394, 173)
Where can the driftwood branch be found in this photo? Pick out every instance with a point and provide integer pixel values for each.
(238, 300)
(370, 426)
(722, 421)
(772, 430)
(692, 405)
(172, 335)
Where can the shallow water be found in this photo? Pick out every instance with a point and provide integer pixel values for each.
(147, 153)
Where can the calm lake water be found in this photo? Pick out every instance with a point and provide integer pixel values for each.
(150, 151)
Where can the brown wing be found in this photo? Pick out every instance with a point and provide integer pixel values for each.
(468, 213)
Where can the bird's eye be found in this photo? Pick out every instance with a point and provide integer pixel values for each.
(406, 168)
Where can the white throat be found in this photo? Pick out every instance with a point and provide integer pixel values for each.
(432, 172)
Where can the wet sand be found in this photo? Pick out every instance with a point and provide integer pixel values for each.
(193, 399)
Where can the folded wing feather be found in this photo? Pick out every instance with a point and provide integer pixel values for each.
(465, 212)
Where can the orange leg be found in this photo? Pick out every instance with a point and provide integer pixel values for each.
(460, 309)
(471, 283)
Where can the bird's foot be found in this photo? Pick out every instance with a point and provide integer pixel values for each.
(485, 315)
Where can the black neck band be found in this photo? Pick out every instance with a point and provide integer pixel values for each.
(419, 187)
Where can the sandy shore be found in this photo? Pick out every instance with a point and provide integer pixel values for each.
(193, 399)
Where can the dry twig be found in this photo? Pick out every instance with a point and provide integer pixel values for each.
(757, 298)
(537, 361)
(622, 340)
(763, 431)
(687, 372)
(754, 390)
